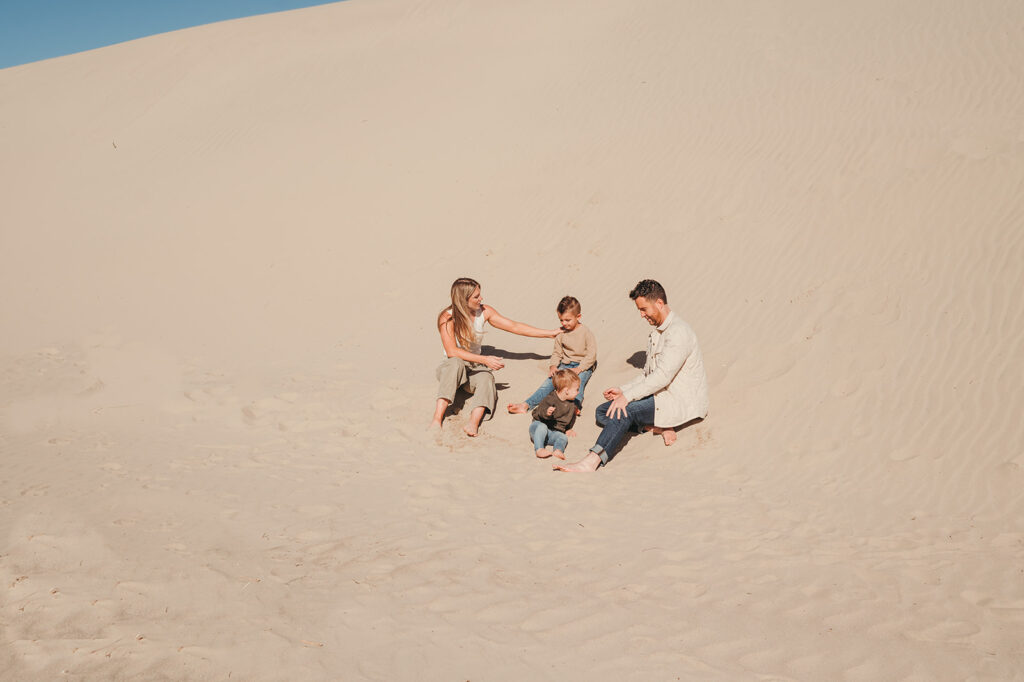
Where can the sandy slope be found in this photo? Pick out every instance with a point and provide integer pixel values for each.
(222, 251)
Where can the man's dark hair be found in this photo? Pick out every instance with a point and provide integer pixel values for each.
(649, 289)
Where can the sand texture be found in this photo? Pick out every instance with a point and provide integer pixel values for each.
(222, 254)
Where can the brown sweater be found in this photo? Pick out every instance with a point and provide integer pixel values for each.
(563, 417)
(579, 345)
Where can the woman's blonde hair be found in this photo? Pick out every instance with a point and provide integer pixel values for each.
(462, 318)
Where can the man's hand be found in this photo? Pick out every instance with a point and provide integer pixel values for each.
(552, 369)
(617, 410)
(493, 362)
(576, 369)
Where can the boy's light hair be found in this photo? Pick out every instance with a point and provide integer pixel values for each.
(569, 304)
(564, 378)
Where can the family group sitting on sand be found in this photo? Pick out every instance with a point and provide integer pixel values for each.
(671, 392)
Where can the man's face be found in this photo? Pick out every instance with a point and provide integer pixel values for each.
(652, 311)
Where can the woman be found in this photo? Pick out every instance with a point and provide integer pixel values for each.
(461, 327)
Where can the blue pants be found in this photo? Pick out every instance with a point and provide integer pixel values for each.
(543, 436)
(639, 413)
(545, 388)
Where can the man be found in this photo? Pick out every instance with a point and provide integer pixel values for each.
(672, 391)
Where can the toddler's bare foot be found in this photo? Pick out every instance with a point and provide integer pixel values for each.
(470, 430)
(588, 464)
(543, 453)
(559, 454)
(668, 435)
(434, 426)
(518, 408)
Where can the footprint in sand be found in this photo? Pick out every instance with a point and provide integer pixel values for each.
(35, 491)
(947, 632)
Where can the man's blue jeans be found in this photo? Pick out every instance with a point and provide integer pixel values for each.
(543, 436)
(639, 413)
(545, 388)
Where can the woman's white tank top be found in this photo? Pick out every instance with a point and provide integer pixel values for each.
(479, 330)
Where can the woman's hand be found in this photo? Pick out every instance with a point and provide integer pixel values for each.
(493, 362)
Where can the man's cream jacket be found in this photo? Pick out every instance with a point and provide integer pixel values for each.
(673, 374)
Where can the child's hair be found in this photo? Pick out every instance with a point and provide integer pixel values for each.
(569, 304)
(564, 378)
(462, 319)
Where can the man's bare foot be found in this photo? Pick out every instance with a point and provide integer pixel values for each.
(470, 429)
(588, 464)
(543, 453)
(518, 408)
(559, 454)
(668, 435)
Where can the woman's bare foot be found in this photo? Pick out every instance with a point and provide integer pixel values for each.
(588, 464)
(439, 409)
(543, 453)
(473, 425)
(518, 408)
(559, 454)
(668, 435)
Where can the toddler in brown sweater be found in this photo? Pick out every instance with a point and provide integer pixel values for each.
(555, 415)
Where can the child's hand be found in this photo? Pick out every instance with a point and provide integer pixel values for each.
(571, 433)
(551, 410)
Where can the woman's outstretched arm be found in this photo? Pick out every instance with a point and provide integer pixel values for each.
(522, 329)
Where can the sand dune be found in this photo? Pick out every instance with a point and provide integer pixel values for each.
(224, 248)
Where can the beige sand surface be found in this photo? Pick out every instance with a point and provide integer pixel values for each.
(222, 251)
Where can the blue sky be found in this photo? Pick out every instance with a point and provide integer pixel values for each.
(31, 30)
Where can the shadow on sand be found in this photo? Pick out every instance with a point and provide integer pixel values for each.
(637, 359)
(509, 355)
